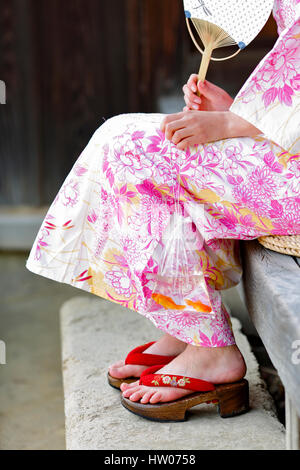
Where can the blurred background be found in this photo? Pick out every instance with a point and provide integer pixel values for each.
(68, 65)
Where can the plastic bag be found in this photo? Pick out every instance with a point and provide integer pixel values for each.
(179, 283)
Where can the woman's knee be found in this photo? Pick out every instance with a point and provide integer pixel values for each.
(115, 122)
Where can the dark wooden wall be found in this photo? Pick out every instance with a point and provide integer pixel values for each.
(69, 64)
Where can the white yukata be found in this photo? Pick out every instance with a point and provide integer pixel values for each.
(104, 231)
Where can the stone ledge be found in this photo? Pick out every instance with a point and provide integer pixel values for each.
(96, 333)
(271, 292)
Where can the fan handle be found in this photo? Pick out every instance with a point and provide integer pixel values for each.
(216, 59)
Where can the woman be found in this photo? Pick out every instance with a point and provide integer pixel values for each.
(239, 179)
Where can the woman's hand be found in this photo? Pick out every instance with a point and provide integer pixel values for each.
(194, 128)
(213, 98)
(200, 127)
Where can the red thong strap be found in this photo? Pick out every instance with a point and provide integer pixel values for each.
(137, 357)
(150, 379)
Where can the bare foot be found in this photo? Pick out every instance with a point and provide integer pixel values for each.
(166, 346)
(216, 365)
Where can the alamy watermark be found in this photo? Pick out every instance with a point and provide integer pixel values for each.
(2, 353)
(2, 92)
(296, 353)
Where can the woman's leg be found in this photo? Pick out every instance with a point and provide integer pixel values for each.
(213, 356)
(139, 172)
(219, 262)
(221, 267)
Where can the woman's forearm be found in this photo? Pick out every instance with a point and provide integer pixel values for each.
(239, 127)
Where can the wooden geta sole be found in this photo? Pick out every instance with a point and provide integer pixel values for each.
(233, 400)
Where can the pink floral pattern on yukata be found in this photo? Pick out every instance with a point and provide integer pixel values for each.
(284, 13)
(278, 78)
(270, 99)
(104, 232)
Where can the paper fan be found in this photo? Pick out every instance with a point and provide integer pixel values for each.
(221, 23)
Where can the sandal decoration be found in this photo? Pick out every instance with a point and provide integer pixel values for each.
(151, 379)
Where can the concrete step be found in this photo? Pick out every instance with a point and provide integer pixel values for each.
(96, 333)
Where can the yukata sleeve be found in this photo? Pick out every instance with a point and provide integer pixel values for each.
(270, 98)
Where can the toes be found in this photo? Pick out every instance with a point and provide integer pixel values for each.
(156, 398)
(125, 386)
(115, 366)
(136, 392)
(114, 372)
(146, 398)
(128, 392)
(139, 393)
(136, 396)
(123, 371)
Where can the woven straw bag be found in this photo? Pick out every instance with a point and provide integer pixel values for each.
(288, 245)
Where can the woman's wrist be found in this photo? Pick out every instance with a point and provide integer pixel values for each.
(235, 126)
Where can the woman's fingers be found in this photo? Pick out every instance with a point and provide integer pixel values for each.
(192, 82)
(173, 127)
(203, 88)
(185, 143)
(171, 118)
(209, 90)
(206, 88)
(191, 97)
(179, 135)
(188, 92)
(190, 104)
